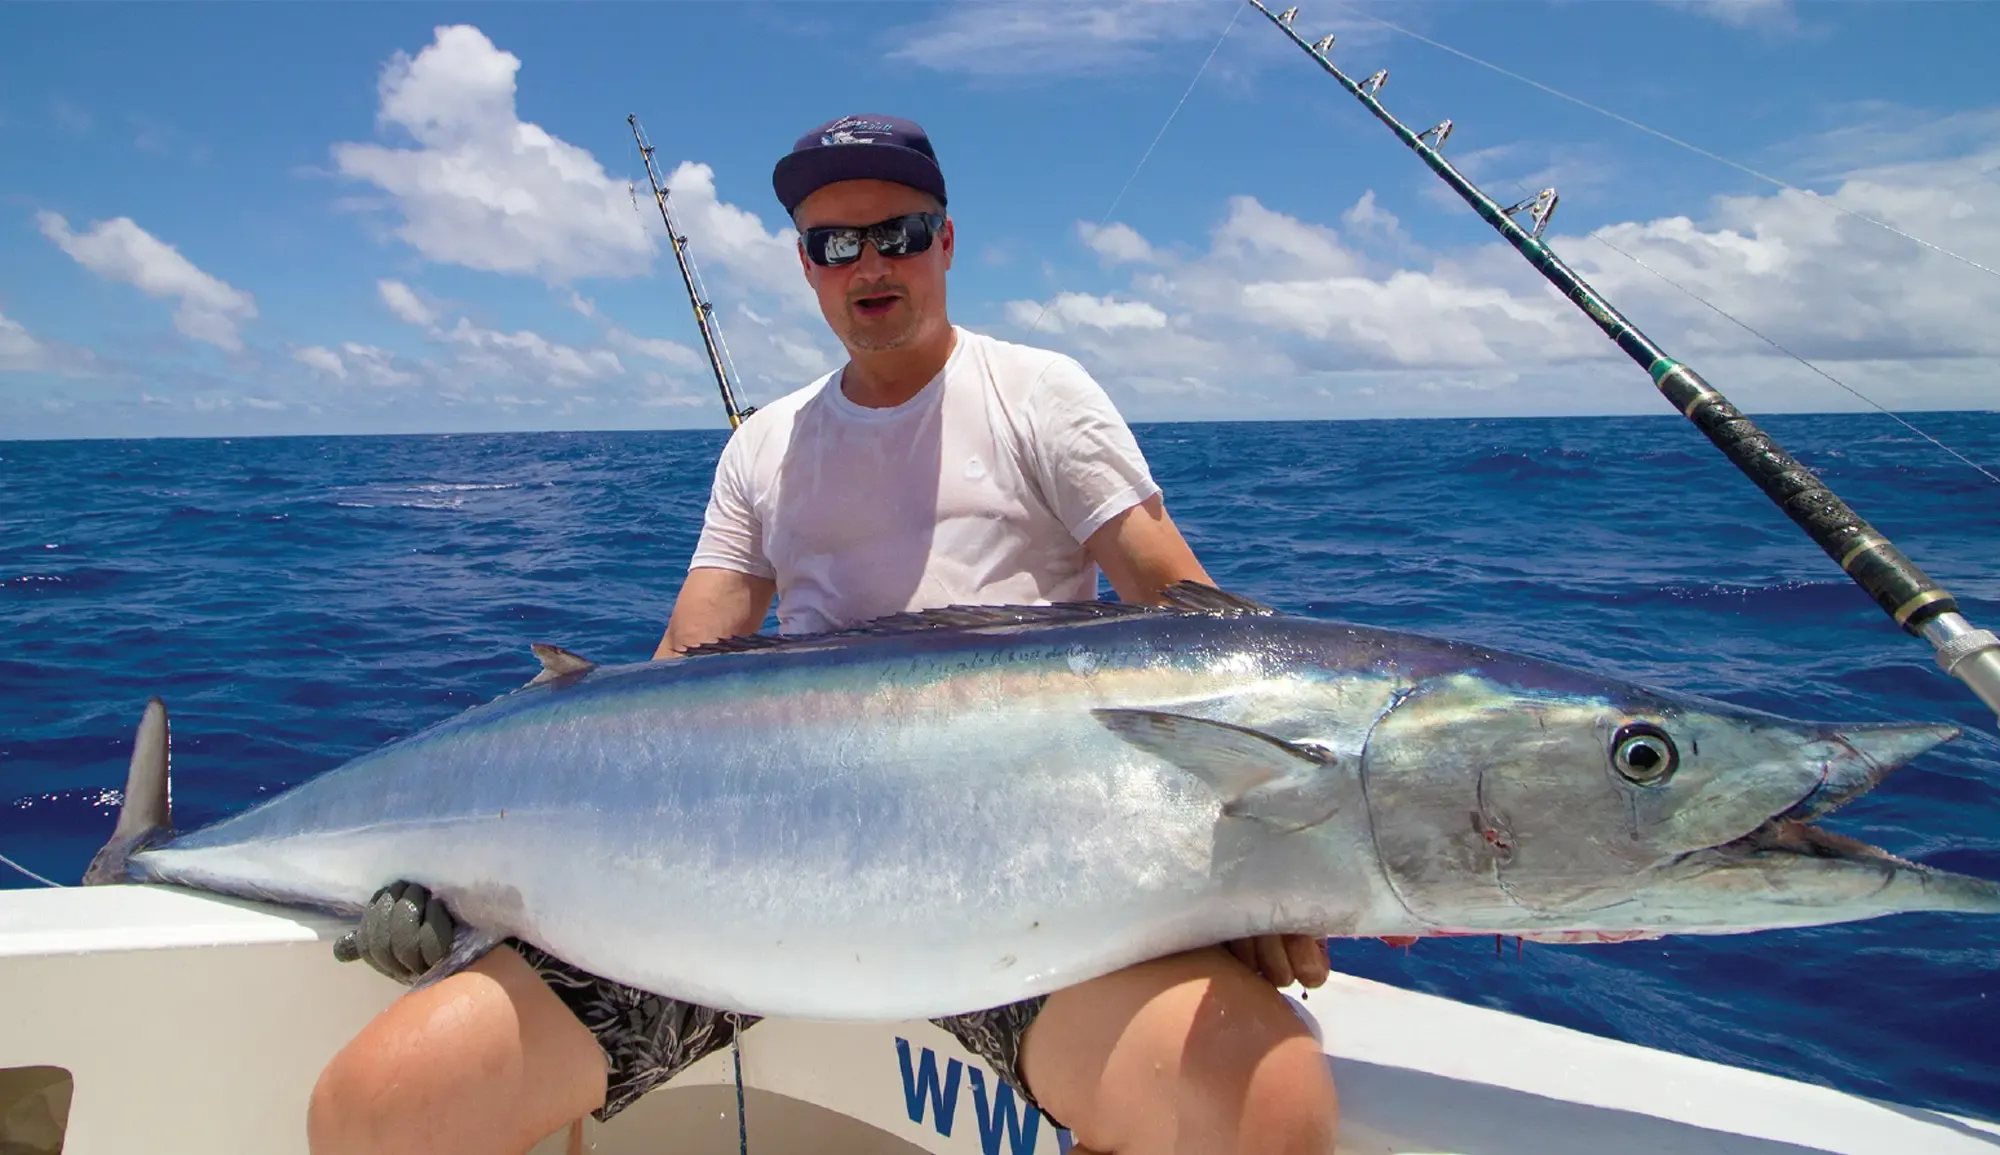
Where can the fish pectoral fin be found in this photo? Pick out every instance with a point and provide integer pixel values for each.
(1257, 775)
(558, 663)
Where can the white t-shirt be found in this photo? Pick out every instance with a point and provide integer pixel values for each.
(979, 490)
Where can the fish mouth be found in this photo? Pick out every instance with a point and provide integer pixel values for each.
(1791, 836)
(1795, 874)
(1857, 759)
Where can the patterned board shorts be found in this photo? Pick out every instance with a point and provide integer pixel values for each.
(648, 1039)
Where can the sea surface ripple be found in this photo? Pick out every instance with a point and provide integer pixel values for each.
(298, 601)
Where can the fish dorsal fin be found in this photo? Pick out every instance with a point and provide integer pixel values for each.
(919, 621)
(1181, 597)
(1199, 597)
(147, 812)
(1257, 775)
(741, 643)
(558, 663)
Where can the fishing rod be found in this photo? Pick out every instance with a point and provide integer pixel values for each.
(1910, 598)
(704, 309)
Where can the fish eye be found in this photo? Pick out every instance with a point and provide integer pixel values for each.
(1643, 754)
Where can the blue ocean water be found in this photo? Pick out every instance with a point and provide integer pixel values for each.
(298, 601)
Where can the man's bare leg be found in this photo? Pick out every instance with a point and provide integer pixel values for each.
(1194, 1053)
(488, 1060)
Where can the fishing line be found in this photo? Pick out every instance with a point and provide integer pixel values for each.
(1626, 120)
(1235, 10)
(6, 861)
(742, 1124)
(701, 286)
(1746, 327)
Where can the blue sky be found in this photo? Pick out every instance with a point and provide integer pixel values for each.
(229, 220)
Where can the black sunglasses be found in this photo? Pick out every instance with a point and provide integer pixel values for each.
(905, 236)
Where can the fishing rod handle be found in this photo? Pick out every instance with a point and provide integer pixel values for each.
(1903, 590)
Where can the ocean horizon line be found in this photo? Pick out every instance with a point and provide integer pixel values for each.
(1201, 421)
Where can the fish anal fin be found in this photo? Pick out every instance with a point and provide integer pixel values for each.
(558, 663)
(1257, 775)
(146, 814)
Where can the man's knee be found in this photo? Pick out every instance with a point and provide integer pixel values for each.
(346, 1108)
(1193, 1052)
(488, 1059)
(1288, 1104)
(1257, 1070)
(362, 1101)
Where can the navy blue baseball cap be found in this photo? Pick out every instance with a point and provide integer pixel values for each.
(864, 147)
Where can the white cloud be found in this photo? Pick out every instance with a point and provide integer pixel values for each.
(1413, 319)
(1027, 39)
(1315, 319)
(119, 250)
(1117, 242)
(659, 349)
(520, 356)
(525, 354)
(1826, 284)
(735, 239)
(1774, 14)
(68, 117)
(1070, 311)
(19, 352)
(1367, 219)
(321, 358)
(1881, 135)
(378, 366)
(403, 301)
(759, 282)
(1278, 245)
(1033, 39)
(483, 188)
(666, 398)
(786, 356)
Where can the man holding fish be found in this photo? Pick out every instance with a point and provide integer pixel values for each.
(937, 467)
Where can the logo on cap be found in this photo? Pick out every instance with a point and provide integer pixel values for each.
(850, 130)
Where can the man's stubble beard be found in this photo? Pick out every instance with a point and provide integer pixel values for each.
(881, 339)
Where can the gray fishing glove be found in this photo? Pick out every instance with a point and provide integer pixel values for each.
(404, 932)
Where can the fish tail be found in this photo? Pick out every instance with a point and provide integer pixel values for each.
(145, 815)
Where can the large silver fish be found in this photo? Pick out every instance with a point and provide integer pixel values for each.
(953, 810)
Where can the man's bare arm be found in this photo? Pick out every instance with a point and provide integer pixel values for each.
(713, 604)
(1142, 552)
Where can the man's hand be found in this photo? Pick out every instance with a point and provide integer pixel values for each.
(1284, 959)
(404, 932)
